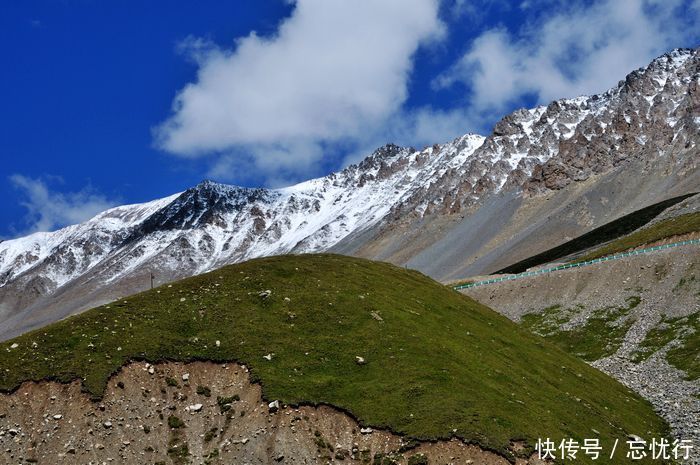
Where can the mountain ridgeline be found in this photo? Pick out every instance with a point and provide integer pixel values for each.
(471, 206)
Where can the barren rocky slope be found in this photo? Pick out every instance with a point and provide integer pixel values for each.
(600, 157)
(467, 207)
(665, 287)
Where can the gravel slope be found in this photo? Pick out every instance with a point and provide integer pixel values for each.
(656, 280)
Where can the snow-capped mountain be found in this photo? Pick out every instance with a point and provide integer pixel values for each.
(212, 224)
(472, 198)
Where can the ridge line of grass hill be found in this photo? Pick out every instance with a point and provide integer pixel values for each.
(435, 360)
(607, 232)
(671, 227)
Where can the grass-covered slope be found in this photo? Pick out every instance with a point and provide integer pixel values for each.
(435, 360)
(608, 232)
(680, 225)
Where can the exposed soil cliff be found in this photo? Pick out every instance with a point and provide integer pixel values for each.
(199, 413)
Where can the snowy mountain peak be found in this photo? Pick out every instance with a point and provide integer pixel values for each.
(206, 203)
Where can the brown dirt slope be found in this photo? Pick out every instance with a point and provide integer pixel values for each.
(151, 414)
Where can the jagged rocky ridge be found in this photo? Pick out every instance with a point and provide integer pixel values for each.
(654, 112)
(650, 121)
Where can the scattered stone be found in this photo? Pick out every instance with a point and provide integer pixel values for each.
(57, 416)
(14, 346)
(268, 356)
(107, 424)
(360, 360)
(186, 377)
(194, 408)
(265, 294)
(366, 430)
(218, 343)
(273, 406)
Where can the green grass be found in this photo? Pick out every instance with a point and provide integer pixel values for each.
(608, 232)
(436, 361)
(677, 226)
(600, 336)
(461, 283)
(685, 355)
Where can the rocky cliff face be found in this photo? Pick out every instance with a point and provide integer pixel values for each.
(462, 207)
(652, 116)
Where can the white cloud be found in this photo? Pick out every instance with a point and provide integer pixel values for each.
(334, 71)
(579, 49)
(334, 77)
(48, 210)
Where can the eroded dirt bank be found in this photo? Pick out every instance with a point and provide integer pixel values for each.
(198, 413)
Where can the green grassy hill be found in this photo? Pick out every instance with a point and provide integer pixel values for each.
(437, 363)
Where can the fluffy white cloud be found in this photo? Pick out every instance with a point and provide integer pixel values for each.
(578, 49)
(48, 210)
(334, 71)
(334, 77)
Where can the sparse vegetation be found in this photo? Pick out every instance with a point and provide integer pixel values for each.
(175, 422)
(224, 403)
(685, 354)
(211, 434)
(178, 453)
(172, 382)
(204, 391)
(436, 361)
(685, 282)
(385, 459)
(418, 459)
(599, 336)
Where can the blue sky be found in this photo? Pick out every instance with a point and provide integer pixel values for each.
(107, 103)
